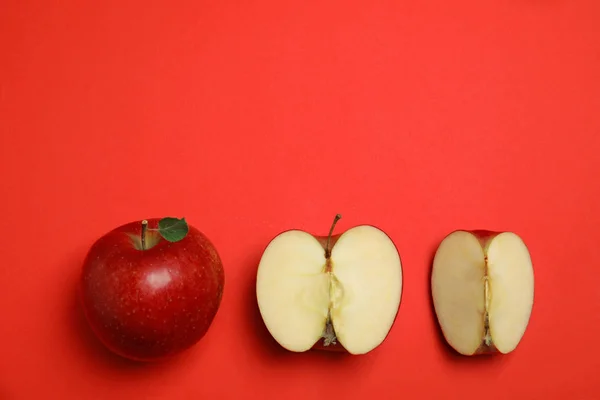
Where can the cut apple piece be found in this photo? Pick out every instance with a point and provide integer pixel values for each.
(327, 292)
(292, 291)
(482, 285)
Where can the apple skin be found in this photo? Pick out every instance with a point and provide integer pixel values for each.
(484, 236)
(148, 305)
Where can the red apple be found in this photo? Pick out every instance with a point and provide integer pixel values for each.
(150, 299)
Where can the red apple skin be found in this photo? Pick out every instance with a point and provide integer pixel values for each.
(148, 305)
(323, 240)
(484, 236)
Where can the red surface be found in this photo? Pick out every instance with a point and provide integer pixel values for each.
(419, 117)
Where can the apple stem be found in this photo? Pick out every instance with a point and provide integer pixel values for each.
(143, 236)
(327, 249)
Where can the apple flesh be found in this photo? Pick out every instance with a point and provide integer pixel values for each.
(344, 299)
(482, 285)
(150, 304)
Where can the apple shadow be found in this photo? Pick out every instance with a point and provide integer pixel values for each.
(451, 355)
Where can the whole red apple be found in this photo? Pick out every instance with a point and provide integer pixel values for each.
(151, 289)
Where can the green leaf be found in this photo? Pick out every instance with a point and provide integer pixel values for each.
(173, 229)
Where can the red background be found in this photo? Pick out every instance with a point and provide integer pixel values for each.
(249, 118)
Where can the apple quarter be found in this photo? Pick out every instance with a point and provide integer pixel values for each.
(482, 285)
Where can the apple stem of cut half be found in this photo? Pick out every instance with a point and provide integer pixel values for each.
(327, 247)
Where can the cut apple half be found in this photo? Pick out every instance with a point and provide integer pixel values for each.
(482, 285)
(326, 292)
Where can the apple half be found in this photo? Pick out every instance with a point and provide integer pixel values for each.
(337, 292)
(482, 285)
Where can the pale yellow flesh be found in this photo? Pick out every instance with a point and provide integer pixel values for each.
(368, 268)
(511, 274)
(292, 291)
(295, 292)
(458, 289)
